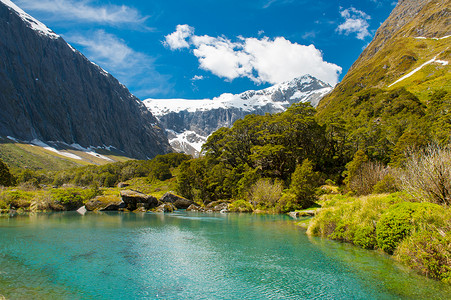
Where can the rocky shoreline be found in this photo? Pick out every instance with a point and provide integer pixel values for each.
(135, 201)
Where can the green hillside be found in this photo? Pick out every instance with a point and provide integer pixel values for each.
(18, 155)
(398, 93)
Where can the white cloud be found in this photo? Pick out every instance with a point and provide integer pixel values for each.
(356, 21)
(197, 77)
(262, 60)
(84, 10)
(177, 39)
(129, 66)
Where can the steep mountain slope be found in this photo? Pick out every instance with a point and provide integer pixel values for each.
(416, 36)
(190, 122)
(398, 93)
(51, 92)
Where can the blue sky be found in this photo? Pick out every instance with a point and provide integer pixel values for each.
(202, 48)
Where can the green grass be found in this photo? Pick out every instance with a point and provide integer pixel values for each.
(417, 234)
(27, 156)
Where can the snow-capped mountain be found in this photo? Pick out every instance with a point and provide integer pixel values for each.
(50, 92)
(190, 122)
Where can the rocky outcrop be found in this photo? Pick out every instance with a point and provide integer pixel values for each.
(51, 92)
(178, 201)
(165, 208)
(134, 200)
(105, 203)
(217, 206)
(194, 207)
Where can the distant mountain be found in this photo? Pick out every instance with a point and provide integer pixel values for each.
(397, 95)
(190, 122)
(51, 94)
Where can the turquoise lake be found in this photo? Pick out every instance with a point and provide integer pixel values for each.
(191, 256)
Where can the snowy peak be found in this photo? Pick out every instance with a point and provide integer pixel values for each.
(279, 97)
(189, 122)
(30, 21)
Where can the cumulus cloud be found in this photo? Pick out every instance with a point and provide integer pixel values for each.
(84, 10)
(263, 60)
(356, 21)
(177, 39)
(128, 65)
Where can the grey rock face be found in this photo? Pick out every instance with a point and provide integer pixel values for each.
(51, 92)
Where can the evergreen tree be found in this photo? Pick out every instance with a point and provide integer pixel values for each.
(6, 179)
(304, 183)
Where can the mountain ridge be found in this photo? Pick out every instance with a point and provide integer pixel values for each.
(190, 122)
(53, 93)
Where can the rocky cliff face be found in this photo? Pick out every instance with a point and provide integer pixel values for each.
(190, 122)
(51, 92)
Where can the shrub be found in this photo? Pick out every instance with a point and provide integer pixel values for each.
(429, 252)
(427, 175)
(367, 176)
(399, 221)
(17, 198)
(265, 193)
(67, 199)
(351, 219)
(388, 184)
(240, 206)
(288, 202)
(72, 198)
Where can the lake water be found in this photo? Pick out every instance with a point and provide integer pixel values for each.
(191, 256)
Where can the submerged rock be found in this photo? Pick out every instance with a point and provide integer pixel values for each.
(134, 199)
(194, 207)
(304, 213)
(217, 206)
(177, 201)
(165, 207)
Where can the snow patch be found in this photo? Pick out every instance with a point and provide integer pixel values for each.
(443, 62)
(39, 143)
(12, 139)
(434, 38)
(90, 151)
(32, 22)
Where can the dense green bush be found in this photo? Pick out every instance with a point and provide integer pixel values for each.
(16, 199)
(400, 220)
(240, 206)
(72, 198)
(428, 250)
(351, 219)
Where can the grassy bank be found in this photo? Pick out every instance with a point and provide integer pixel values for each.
(417, 234)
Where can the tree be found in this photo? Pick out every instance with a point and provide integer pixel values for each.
(304, 183)
(6, 179)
